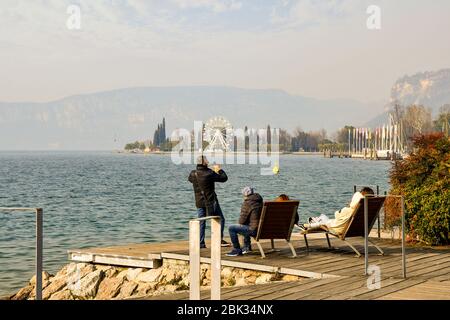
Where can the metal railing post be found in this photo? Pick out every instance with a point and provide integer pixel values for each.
(403, 237)
(194, 258)
(39, 212)
(216, 253)
(366, 235)
(39, 250)
(379, 216)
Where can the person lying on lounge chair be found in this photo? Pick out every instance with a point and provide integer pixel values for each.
(341, 217)
(248, 222)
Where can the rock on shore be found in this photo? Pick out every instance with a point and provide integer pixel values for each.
(84, 281)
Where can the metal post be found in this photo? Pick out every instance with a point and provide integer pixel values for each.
(216, 253)
(384, 212)
(403, 237)
(378, 220)
(194, 257)
(39, 249)
(366, 235)
(194, 260)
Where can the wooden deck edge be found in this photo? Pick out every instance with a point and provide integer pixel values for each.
(224, 263)
(254, 266)
(116, 260)
(307, 274)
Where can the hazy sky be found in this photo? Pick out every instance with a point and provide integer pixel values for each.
(321, 49)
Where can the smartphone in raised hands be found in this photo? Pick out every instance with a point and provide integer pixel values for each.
(216, 168)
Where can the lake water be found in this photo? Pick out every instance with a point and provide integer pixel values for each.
(104, 199)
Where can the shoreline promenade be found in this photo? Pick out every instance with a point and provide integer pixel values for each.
(160, 271)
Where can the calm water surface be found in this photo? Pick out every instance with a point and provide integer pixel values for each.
(104, 199)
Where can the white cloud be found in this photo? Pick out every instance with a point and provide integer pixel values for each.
(297, 13)
(214, 5)
(124, 43)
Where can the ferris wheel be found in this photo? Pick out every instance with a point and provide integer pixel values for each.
(215, 133)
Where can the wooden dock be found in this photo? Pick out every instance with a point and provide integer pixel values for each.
(328, 273)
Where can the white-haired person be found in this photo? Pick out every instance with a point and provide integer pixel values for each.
(248, 222)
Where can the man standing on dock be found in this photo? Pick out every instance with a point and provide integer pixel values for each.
(203, 180)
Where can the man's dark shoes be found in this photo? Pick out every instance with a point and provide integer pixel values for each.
(234, 253)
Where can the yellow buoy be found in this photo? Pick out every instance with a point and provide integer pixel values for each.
(276, 169)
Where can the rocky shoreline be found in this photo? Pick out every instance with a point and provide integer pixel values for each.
(85, 281)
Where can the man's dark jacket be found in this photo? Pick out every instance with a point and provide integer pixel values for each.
(251, 211)
(204, 181)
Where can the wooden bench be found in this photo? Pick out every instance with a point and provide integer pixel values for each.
(276, 223)
(355, 226)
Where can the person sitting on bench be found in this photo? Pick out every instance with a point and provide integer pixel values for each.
(248, 222)
(341, 217)
(283, 197)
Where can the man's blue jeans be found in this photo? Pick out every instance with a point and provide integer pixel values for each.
(243, 230)
(202, 213)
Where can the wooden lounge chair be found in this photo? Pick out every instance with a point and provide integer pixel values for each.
(355, 226)
(276, 222)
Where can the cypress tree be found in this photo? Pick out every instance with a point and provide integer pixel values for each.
(164, 130)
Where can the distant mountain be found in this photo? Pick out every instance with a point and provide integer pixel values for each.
(108, 120)
(430, 89)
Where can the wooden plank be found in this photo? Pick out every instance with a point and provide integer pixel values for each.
(425, 272)
(341, 288)
(385, 290)
(311, 263)
(194, 260)
(361, 290)
(306, 274)
(417, 296)
(315, 292)
(216, 238)
(139, 250)
(224, 263)
(311, 259)
(439, 276)
(243, 292)
(340, 267)
(389, 266)
(258, 290)
(206, 294)
(300, 290)
(423, 291)
(247, 291)
(117, 260)
(266, 293)
(417, 268)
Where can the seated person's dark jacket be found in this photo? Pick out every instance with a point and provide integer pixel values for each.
(206, 179)
(251, 211)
